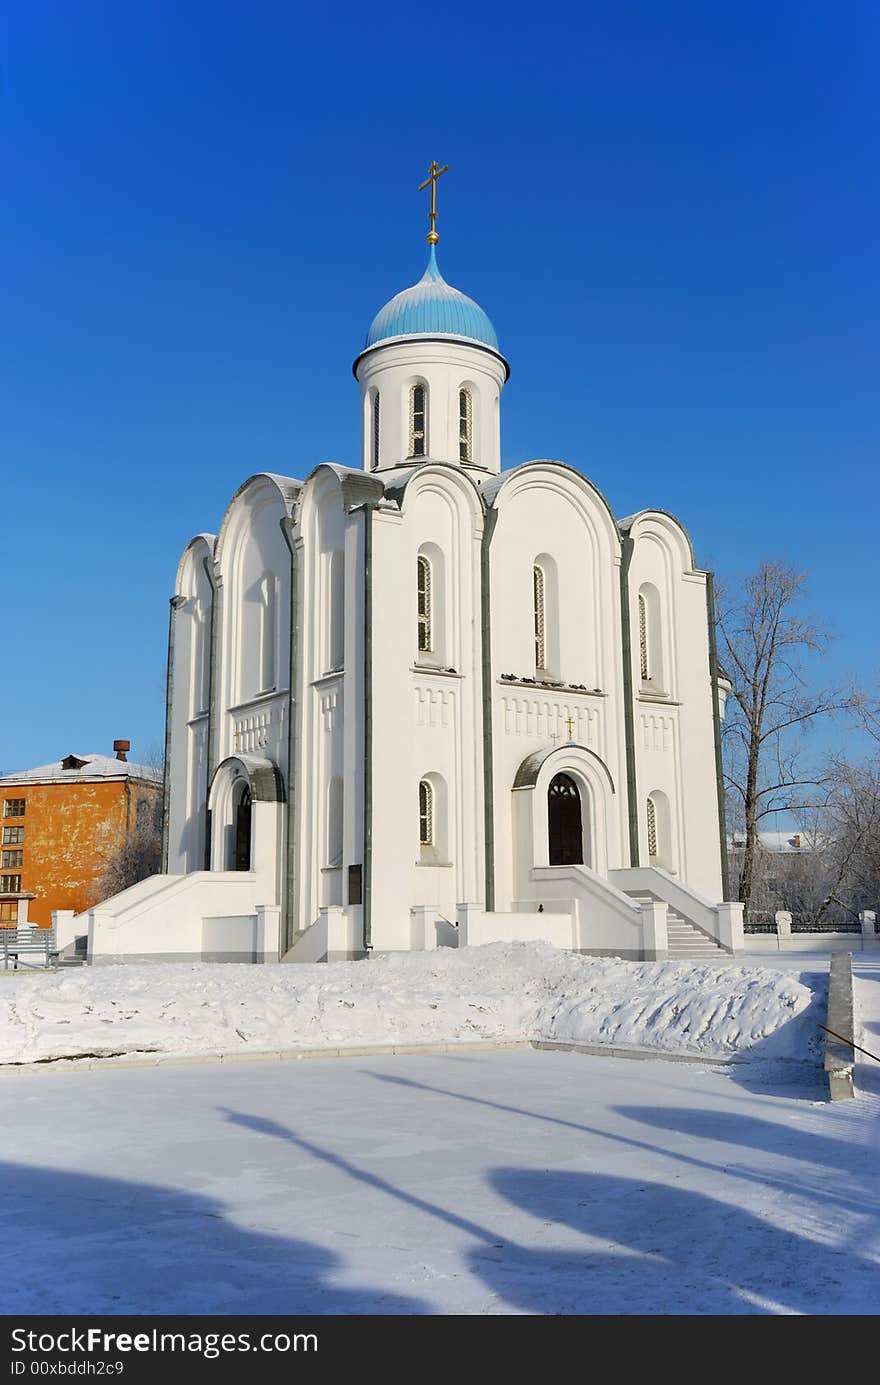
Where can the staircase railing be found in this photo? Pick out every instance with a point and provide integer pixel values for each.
(723, 923)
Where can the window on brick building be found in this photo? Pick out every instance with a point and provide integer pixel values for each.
(13, 808)
(10, 858)
(13, 836)
(10, 884)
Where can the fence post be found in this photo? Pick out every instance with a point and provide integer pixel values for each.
(868, 920)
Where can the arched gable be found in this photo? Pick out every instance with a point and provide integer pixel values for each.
(567, 481)
(404, 485)
(354, 488)
(665, 529)
(263, 490)
(442, 520)
(253, 569)
(664, 585)
(549, 509)
(191, 570)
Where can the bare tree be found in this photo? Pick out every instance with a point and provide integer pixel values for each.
(852, 818)
(867, 709)
(763, 641)
(139, 855)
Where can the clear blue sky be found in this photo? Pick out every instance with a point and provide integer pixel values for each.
(669, 210)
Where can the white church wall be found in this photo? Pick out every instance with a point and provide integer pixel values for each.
(188, 713)
(394, 786)
(546, 511)
(253, 567)
(353, 725)
(702, 866)
(444, 367)
(328, 615)
(251, 570)
(673, 725)
(426, 722)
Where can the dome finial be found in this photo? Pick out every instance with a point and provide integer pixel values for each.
(434, 172)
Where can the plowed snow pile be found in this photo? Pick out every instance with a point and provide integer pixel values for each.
(504, 991)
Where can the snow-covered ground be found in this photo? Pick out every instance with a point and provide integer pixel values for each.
(503, 992)
(509, 1182)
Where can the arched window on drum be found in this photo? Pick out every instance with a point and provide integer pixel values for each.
(418, 420)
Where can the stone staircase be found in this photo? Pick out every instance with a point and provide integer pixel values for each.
(75, 956)
(686, 943)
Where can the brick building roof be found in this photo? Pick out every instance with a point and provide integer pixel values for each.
(74, 768)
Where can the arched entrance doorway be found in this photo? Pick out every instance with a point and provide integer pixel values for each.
(564, 822)
(241, 854)
(245, 802)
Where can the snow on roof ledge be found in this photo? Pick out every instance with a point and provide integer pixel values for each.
(89, 767)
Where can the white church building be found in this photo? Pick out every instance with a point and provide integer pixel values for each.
(424, 701)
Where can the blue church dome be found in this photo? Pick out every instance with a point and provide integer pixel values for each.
(432, 307)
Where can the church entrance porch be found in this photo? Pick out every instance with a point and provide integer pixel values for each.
(246, 804)
(563, 813)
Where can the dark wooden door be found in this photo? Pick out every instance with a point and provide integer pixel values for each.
(564, 822)
(243, 832)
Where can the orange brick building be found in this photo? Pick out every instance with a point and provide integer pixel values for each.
(60, 827)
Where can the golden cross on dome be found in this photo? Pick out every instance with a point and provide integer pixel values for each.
(434, 172)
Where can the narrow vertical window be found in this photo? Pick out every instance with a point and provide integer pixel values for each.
(465, 426)
(336, 611)
(652, 830)
(417, 418)
(201, 635)
(375, 438)
(424, 604)
(268, 616)
(643, 640)
(426, 813)
(540, 622)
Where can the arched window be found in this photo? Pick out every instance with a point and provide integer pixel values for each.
(268, 626)
(644, 659)
(465, 426)
(545, 616)
(418, 419)
(653, 851)
(374, 454)
(652, 668)
(426, 813)
(433, 821)
(538, 586)
(423, 571)
(660, 838)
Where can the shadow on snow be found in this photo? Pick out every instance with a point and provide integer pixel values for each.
(76, 1243)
